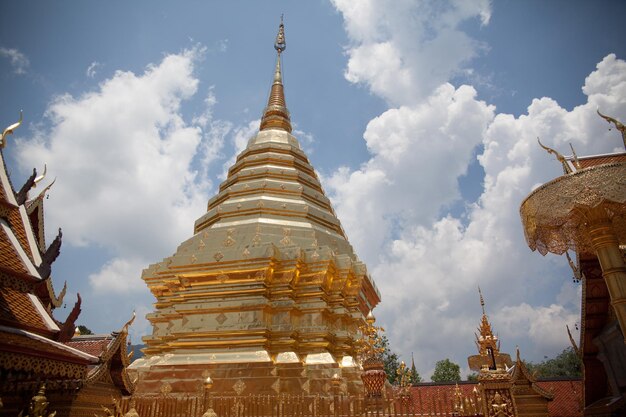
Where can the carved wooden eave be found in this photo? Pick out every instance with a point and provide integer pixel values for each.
(22, 350)
(45, 291)
(520, 377)
(22, 195)
(68, 327)
(113, 363)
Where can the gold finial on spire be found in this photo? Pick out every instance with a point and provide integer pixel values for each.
(9, 130)
(276, 115)
(280, 45)
(559, 157)
(482, 300)
(618, 125)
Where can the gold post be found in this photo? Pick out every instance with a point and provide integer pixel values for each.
(606, 246)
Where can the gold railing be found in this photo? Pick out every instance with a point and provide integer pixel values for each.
(294, 406)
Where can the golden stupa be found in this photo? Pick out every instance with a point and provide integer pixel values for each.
(267, 295)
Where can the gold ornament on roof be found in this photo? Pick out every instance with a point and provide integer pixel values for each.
(618, 125)
(404, 379)
(489, 357)
(559, 157)
(576, 161)
(369, 345)
(9, 130)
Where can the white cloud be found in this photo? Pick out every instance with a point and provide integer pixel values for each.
(119, 275)
(419, 152)
(426, 262)
(123, 158)
(18, 60)
(403, 50)
(92, 69)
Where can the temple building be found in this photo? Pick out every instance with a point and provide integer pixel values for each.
(268, 294)
(42, 367)
(584, 210)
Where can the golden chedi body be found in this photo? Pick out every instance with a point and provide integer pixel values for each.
(267, 296)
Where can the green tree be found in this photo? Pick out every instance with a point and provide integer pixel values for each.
(84, 330)
(446, 371)
(415, 377)
(390, 359)
(565, 364)
(473, 377)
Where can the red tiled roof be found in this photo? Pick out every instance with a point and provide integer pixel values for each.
(94, 345)
(567, 397)
(19, 230)
(9, 258)
(16, 308)
(591, 161)
(430, 398)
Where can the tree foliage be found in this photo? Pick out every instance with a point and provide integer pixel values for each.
(415, 376)
(446, 371)
(473, 377)
(84, 330)
(390, 359)
(565, 364)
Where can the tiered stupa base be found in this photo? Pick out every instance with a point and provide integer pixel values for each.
(244, 378)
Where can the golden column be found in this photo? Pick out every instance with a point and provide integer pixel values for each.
(584, 210)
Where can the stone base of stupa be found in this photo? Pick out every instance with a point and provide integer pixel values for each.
(184, 375)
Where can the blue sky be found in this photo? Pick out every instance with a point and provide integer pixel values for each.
(420, 117)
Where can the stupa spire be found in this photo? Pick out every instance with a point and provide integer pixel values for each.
(276, 115)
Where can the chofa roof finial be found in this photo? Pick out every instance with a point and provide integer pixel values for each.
(9, 130)
(618, 125)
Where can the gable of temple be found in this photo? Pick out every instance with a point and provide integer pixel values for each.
(36, 359)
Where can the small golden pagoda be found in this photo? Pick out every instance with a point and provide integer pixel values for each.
(492, 367)
(267, 295)
(489, 357)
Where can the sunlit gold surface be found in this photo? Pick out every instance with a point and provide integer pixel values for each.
(552, 215)
(586, 212)
(268, 290)
(489, 357)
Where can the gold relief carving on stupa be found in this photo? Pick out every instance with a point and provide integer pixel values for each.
(221, 318)
(239, 387)
(229, 241)
(315, 256)
(306, 387)
(166, 388)
(222, 278)
(256, 240)
(201, 244)
(276, 385)
(286, 240)
(260, 275)
(193, 259)
(245, 253)
(218, 256)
